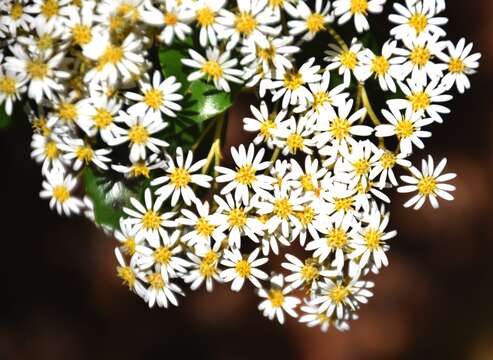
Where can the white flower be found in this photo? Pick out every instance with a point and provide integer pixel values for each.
(16, 17)
(175, 19)
(264, 123)
(58, 188)
(306, 20)
(459, 63)
(49, 13)
(384, 66)
(156, 97)
(11, 86)
(240, 268)
(276, 302)
(346, 60)
(204, 266)
(416, 20)
(82, 154)
(359, 9)
(235, 217)
(294, 136)
(160, 291)
(429, 183)
(148, 219)
(139, 135)
(216, 66)
(80, 24)
(179, 177)
(245, 179)
(385, 167)
(313, 317)
(291, 84)
(406, 127)
(423, 98)
(46, 150)
(141, 167)
(125, 235)
(306, 273)
(206, 12)
(130, 275)
(98, 115)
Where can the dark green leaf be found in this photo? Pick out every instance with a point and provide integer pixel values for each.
(110, 195)
(5, 120)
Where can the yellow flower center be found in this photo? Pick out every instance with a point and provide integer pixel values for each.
(50, 9)
(420, 100)
(344, 204)
(44, 42)
(276, 298)
(266, 127)
(140, 169)
(361, 167)
(359, 7)
(243, 269)
(283, 208)
(320, 98)
(338, 294)
(427, 185)
(456, 66)
(61, 193)
(295, 142)
(81, 35)
(309, 270)
(112, 55)
(337, 238)
(37, 69)
(68, 112)
(51, 150)
(306, 181)
(128, 9)
(212, 69)
(127, 275)
(129, 246)
(138, 134)
(404, 129)
(162, 255)
(8, 86)
(170, 19)
(204, 228)
(267, 54)
(246, 175)
(349, 59)
(40, 126)
(315, 23)
(156, 281)
(151, 220)
(340, 128)
(388, 160)
(180, 177)
(245, 23)
(293, 80)
(306, 216)
(418, 22)
(372, 239)
(84, 153)
(102, 118)
(205, 16)
(276, 3)
(237, 218)
(380, 65)
(16, 11)
(420, 56)
(207, 269)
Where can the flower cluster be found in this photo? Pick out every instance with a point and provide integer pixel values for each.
(103, 95)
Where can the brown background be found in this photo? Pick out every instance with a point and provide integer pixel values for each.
(62, 300)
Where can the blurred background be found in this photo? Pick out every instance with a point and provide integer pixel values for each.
(62, 300)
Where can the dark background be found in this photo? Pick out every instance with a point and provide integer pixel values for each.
(62, 300)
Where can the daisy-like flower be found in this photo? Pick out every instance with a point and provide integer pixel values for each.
(264, 123)
(341, 297)
(252, 20)
(80, 24)
(337, 129)
(418, 58)
(423, 98)
(16, 17)
(276, 300)
(312, 317)
(291, 84)
(156, 97)
(305, 273)
(130, 275)
(459, 63)
(384, 67)
(126, 235)
(82, 154)
(42, 72)
(338, 237)
(416, 20)
(46, 150)
(163, 256)
(294, 136)
(98, 115)
(240, 268)
(357, 9)
(139, 135)
(58, 188)
(370, 241)
(429, 183)
(175, 20)
(348, 61)
(204, 267)
(307, 178)
(140, 168)
(206, 12)
(49, 13)
(148, 219)
(202, 224)
(11, 86)
(245, 179)
(406, 127)
(113, 62)
(306, 20)
(236, 220)
(176, 183)
(215, 67)
(384, 169)
(160, 291)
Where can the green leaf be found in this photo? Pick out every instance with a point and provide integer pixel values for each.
(111, 195)
(5, 120)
